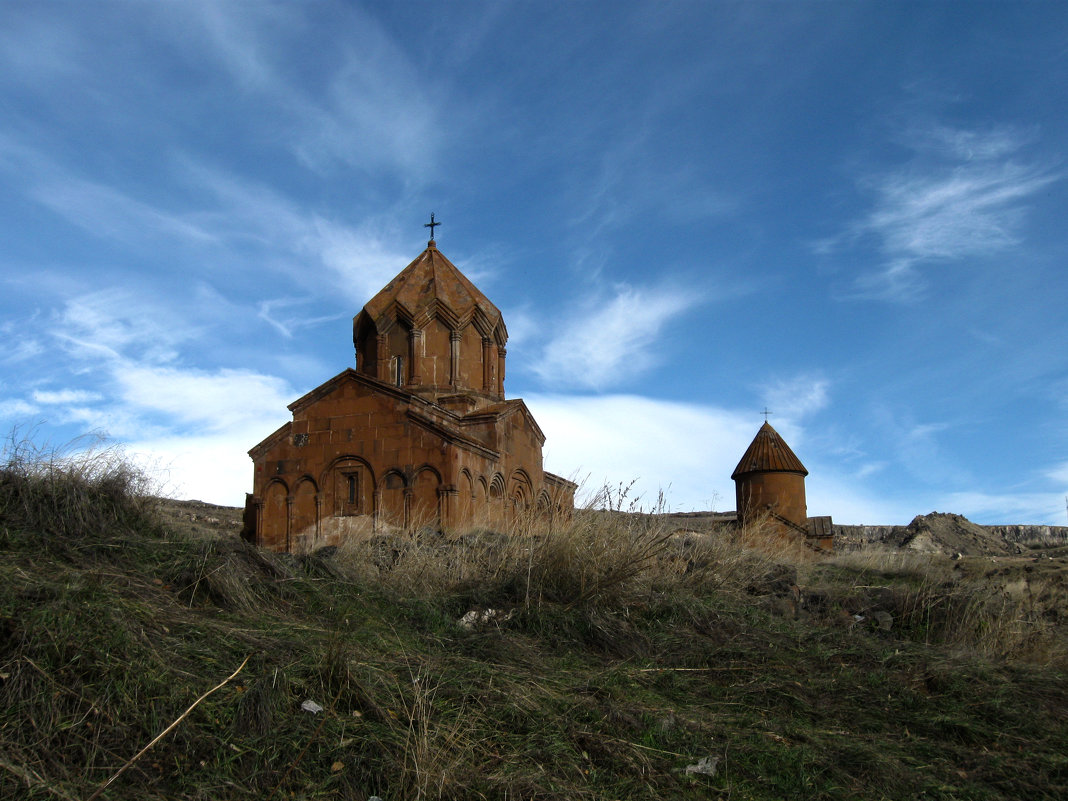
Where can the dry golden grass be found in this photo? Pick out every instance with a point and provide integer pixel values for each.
(932, 599)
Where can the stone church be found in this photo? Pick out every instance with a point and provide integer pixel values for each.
(419, 434)
(769, 484)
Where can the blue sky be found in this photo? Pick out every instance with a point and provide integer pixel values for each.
(851, 213)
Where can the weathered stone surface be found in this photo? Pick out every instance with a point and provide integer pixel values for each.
(418, 435)
(769, 486)
(950, 534)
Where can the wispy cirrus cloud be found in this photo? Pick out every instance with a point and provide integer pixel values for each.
(608, 340)
(797, 397)
(111, 323)
(22, 346)
(360, 257)
(104, 210)
(288, 323)
(969, 209)
(120, 369)
(108, 213)
(1059, 474)
(373, 111)
(65, 396)
(963, 194)
(222, 212)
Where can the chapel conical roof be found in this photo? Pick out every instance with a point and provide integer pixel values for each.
(768, 453)
(433, 286)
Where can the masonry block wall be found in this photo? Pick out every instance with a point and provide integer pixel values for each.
(769, 484)
(418, 435)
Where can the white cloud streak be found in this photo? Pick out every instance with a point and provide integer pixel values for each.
(228, 214)
(17, 410)
(962, 195)
(110, 322)
(608, 341)
(687, 450)
(360, 258)
(214, 401)
(65, 396)
(107, 213)
(969, 209)
(374, 111)
(794, 398)
(1059, 474)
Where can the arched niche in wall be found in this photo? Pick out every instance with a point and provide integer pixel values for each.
(520, 490)
(275, 520)
(393, 491)
(349, 484)
(425, 504)
(466, 492)
(304, 526)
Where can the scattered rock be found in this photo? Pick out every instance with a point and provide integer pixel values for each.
(882, 620)
(476, 618)
(705, 766)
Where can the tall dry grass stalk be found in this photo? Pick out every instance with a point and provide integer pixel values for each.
(881, 559)
(84, 488)
(435, 745)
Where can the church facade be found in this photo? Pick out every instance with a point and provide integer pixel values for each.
(418, 435)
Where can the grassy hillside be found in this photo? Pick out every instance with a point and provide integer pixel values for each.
(610, 660)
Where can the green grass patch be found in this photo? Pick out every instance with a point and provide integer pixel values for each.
(658, 668)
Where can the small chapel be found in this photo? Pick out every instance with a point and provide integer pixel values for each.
(769, 484)
(417, 435)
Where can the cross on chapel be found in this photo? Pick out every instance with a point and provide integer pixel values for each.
(431, 225)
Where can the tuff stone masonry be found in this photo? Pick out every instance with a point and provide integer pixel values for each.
(769, 483)
(418, 435)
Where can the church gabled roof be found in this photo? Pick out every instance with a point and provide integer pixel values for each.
(768, 453)
(430, 285)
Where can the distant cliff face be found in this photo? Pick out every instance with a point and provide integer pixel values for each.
(1032, 535)
(951, 533)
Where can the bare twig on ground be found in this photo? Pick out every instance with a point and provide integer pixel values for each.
(167, 730)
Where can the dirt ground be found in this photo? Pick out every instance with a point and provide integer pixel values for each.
(201, 517)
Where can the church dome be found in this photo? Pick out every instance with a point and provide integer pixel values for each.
(432, 286)
(433, 332)
(768, 453)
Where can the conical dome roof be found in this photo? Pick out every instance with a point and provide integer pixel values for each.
(768, 453)
(433, 286)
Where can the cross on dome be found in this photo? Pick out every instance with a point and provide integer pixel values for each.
(431, 225)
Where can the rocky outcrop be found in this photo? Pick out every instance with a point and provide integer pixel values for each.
(951, 533)
(1032, 535)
